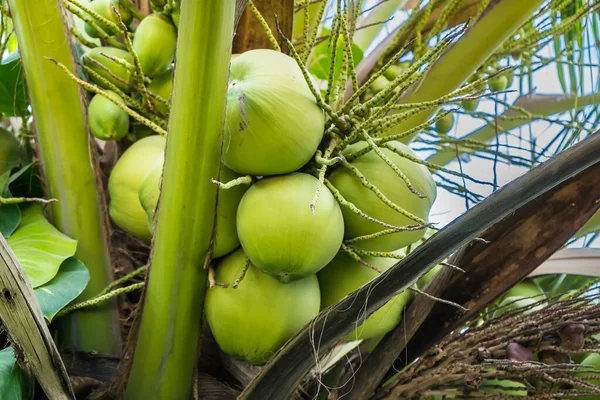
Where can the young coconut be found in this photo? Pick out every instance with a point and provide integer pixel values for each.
(470, 105)
(395, 71)
(253, 320)
(279, 232)
(104, 8)
(343, 275)
(378, 173)
(154, 43)
(498, 83)
(162, 85)
(124, 183)
(106, 120)
(444, 124)
(379, 84)
(226, 238)
(273, 123)
(116, 69)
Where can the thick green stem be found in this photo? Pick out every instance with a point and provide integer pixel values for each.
(68, 163)
(456, 65)
(538, 105)
(165, 352)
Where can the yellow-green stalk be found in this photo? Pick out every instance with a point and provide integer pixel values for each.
(500, 20)
(373, 22)
(68, 164)
(165, 352)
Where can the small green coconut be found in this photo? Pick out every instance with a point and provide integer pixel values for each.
(106, 120)
(154, 43)
(104, 8)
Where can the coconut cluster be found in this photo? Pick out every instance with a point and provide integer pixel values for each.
(283, 239)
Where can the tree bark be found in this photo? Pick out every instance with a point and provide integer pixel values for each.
(250, 33)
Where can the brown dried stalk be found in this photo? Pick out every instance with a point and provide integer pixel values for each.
(462, 362)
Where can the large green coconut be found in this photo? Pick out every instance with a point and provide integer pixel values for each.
(124, 183)
(343, 275)
(251, 322)
(273, 124)
(279, 232)
(394, 188)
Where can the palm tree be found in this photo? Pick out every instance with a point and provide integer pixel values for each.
(481, 91)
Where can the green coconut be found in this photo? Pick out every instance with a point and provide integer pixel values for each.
(141, 131)
(377, 172)
(11, 152)
(154, 43)
(162, 85)
(106, 120)
(279, 232)
(379, 84)
(115, 68)
(394, 71)
(104, 8)
(498, 83)
(251, 322)
(343, 275)
(124, 182)
(273, 124)
(444, 124)
(226, 238)
(470, 105)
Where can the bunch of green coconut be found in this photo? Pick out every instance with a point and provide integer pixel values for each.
(287, 243)
(497, 82)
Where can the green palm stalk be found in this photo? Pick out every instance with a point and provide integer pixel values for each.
(68, 163)
(165, 352)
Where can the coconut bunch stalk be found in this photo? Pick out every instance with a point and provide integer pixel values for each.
(164, 358)
(68, 161)
(518, 344)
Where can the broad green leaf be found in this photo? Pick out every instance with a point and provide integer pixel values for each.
(13, 381)
(70, 281)
(39, 246)
(322, 56)
(13, 91)
(12, 154)
(10, 215)
(27, 182)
